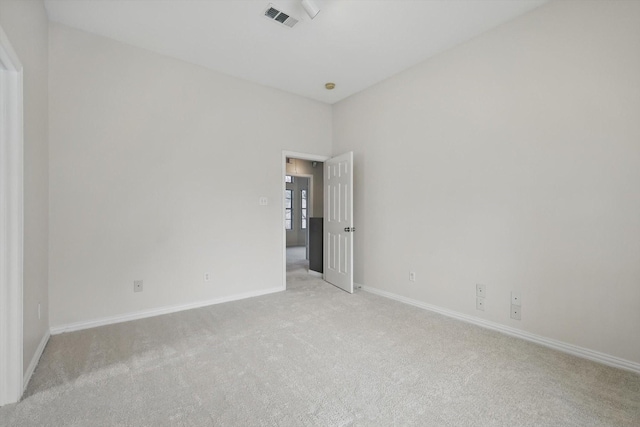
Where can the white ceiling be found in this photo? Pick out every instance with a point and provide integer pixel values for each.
(354, 43)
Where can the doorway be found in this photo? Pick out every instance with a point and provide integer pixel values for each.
(303, 188)
(298, 199)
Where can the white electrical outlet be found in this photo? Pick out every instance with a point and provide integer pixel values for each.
(263, 201)
(480, 303)
(137, 286)
(481, 290)
(412, 276)
(207, 277)
(516, 312)
(515, 298)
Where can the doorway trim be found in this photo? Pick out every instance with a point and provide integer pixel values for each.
(283, 162)
(11, 223)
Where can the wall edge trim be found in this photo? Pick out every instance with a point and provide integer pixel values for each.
(127, 317)
(585, 353)
(35, 360)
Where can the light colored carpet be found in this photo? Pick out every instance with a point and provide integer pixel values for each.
(315, 356)
(297, 264)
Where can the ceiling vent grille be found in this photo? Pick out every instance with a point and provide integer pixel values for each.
(279, 16)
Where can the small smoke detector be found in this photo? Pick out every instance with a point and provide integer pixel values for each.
(275, 14)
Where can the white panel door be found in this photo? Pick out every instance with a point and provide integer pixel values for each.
(338, 221)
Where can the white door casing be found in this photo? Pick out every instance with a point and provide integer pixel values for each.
(11, 223)
(338, 221)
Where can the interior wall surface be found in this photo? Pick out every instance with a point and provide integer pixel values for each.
(157, 167)
(513, 161)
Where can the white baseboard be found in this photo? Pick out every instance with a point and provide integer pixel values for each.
(585, 353)
(35, 359)
(77, 326)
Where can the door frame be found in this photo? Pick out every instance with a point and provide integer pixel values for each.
(301, 156)
(12, 223)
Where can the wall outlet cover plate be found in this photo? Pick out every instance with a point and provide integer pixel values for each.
(515, 298)
(516, 312)
(137, 286)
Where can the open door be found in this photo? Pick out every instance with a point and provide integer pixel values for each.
(338, 221)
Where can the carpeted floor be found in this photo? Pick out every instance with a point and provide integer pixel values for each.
(297, 263)
(315, 356)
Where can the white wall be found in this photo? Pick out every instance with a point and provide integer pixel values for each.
(26, 25)
(156, 167)
(514, 161)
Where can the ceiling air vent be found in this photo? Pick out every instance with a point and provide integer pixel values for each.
(277, 15)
